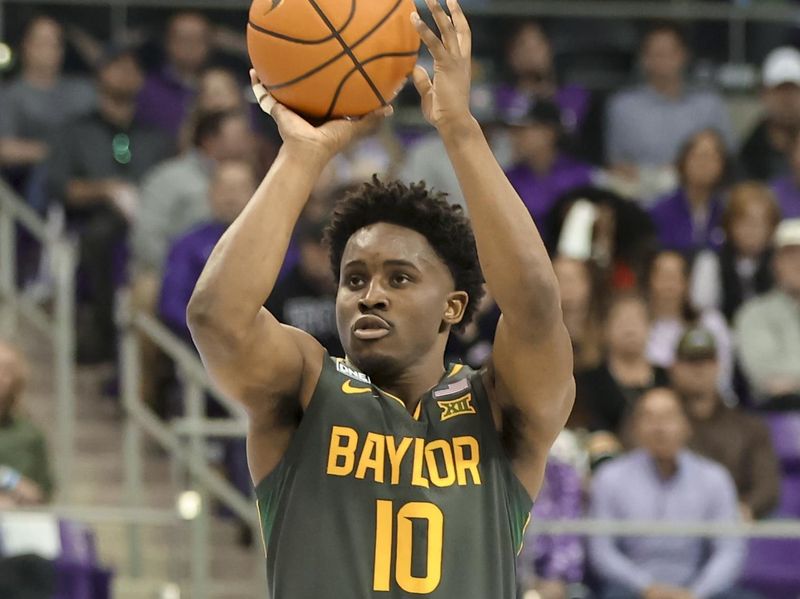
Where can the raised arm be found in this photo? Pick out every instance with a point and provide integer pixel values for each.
(531, 370)
(249, 354)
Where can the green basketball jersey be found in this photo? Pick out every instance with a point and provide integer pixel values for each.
(372, 502)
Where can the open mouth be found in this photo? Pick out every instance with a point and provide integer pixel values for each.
(371, 327)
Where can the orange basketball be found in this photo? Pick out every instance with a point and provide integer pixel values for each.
(332, 58)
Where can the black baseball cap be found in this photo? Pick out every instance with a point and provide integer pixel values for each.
(536, 112)
(696, 343)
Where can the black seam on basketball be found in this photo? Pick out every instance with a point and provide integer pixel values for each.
(330, 61)
(289, 38)
(349, 51)
(355, 70)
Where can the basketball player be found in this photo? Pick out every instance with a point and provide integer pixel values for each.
(385, 474)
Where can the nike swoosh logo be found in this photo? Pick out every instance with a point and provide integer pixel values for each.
(348, 388)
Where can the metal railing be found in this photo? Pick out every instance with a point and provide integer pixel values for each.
(184, 439)
(58, 326)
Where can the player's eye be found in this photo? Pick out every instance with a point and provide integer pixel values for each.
(400, 279)
(355, 281)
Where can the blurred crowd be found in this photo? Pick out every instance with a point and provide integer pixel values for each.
(675, 239)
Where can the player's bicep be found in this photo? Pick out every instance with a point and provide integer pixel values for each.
(261, 367)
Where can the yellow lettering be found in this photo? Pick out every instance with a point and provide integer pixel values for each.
(433, 468)
(467, 464)
(372, 457)
(383, 546)
(396, 455)
(405, 546)
(417, 475)
(346, 450)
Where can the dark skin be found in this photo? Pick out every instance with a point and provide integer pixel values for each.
(393, 275)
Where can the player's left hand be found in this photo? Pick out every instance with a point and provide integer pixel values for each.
(445, 100)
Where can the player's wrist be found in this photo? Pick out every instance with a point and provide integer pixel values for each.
(459, 127)
(308, 155)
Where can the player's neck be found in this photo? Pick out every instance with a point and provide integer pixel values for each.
(416, 380)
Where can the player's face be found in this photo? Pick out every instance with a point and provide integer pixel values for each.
(395, 301)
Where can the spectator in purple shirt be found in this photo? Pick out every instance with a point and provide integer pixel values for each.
(787, 187)
(665, 482)
(233, 184)
(541, 171)
(168, 93)
(532, 75)
(690, 218)
(548, 564)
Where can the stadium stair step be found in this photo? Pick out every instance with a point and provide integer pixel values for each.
(98, 480)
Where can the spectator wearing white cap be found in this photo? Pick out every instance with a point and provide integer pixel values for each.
(764, 153)
(768, 327)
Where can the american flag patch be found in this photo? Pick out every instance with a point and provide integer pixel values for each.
(456, 388)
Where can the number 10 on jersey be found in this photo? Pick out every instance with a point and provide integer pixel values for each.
(401, 538)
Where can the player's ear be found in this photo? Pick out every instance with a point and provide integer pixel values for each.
(456, 306)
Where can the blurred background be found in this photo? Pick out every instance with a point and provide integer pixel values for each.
(656, 144)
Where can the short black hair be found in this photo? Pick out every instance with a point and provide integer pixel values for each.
(665, 26)
(209, 124)
(420, 209)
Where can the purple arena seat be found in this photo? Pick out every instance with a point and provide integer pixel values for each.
(773, 565)
(785, 431)
(78, 571)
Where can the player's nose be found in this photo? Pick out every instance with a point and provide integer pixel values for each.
(374, 297)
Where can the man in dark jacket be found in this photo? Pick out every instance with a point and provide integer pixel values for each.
(737, 440)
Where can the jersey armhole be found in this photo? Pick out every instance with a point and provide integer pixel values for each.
(519, 503)
(263, 485)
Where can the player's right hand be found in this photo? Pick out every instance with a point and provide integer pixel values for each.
(322, 142)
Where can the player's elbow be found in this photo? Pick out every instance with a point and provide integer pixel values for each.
(203, 319)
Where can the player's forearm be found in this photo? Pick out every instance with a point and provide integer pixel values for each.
(511, 251)
(244, 266)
